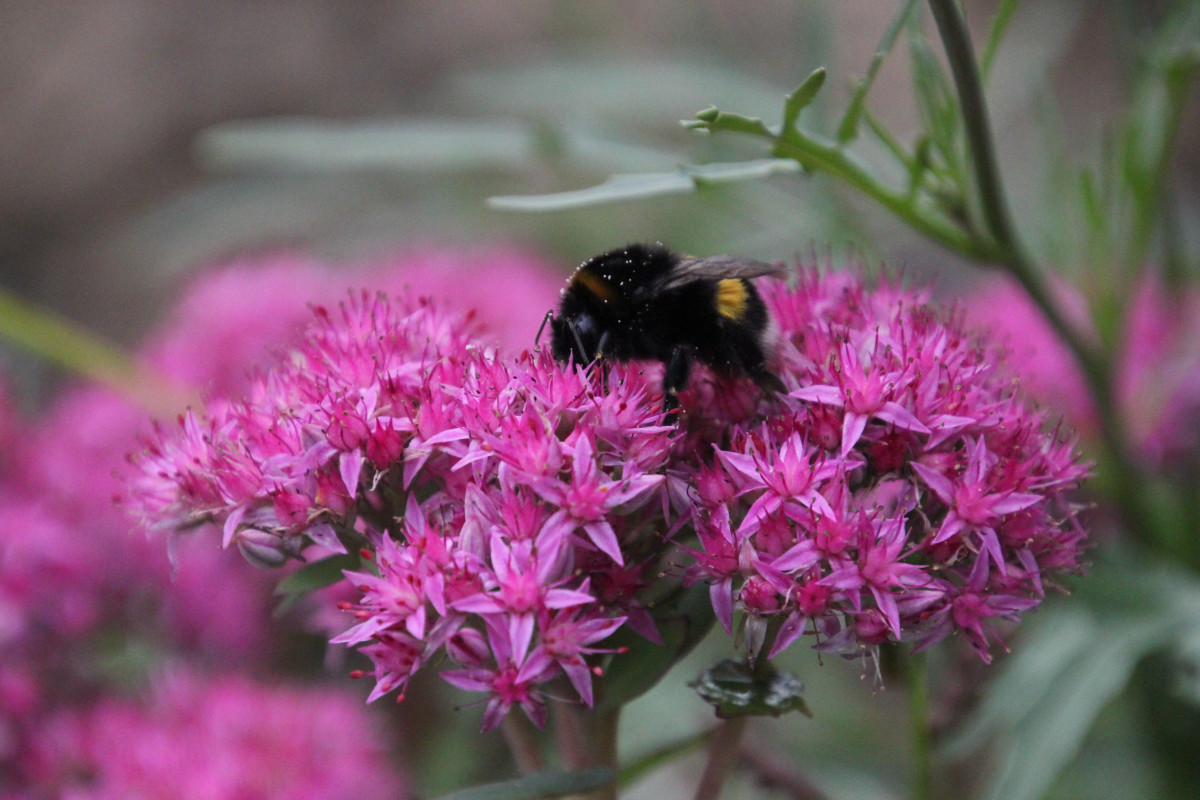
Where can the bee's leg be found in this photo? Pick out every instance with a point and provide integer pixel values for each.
(768, 381)
(548, 318)
(676, 376)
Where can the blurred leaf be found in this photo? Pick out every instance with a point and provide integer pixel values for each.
(539, 785)
(67, 344)
(848, 129)
(686, 178)
(314, 576)
(1073, 659)
(996, 32)
(412, 144)
(938, 106)
(683, 621)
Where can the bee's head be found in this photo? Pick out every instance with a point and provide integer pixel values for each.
(575, 334)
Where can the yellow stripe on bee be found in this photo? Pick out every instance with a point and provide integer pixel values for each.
(594, 284)
(732, 298)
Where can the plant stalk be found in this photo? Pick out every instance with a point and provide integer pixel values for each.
(722, 755)
(1092, 358)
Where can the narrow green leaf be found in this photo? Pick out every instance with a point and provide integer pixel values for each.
(620, 188)
(1048, 738)
(537, 786)
(1073, 659)
(331, 145)
(67, 344)
(848, 128)
(801, 98)
(937, 104)
(996, 32)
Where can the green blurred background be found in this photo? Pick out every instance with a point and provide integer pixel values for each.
(107, 194)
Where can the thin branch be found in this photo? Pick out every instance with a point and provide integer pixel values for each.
(722, 755)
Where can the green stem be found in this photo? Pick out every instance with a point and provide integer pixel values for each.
(588, 738)
(815, 155)
(66, 344)
(518, 735)
(916, 674)
(1092, 359)
(722, 755)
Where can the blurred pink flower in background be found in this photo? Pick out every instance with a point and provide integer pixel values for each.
(251, 308)
(87, 603)
(1157, 376)
(222, 737)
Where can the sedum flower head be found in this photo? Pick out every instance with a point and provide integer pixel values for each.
(900, 491)
(510, 512)
(494, 499)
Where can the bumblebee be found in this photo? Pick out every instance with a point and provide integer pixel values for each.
(644, 302)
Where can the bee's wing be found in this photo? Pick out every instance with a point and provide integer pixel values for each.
(716, 268)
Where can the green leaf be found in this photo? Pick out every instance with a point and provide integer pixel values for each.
(421, 145)
(539, 785)
(682, 621)
(736, 689)
(1073, 659)
(938, 105)
(619, 188)
(314, 576)
(800, 99)
(1000, 21)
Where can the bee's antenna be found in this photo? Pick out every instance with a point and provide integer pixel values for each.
(548, 318)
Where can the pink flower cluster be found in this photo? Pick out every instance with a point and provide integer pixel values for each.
(510, 512)
(540, 504)
(901, 491)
